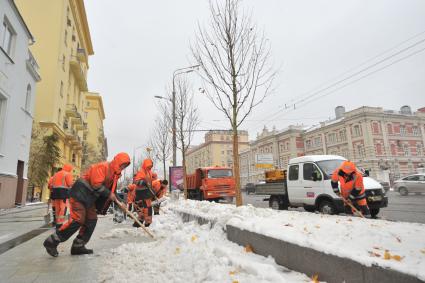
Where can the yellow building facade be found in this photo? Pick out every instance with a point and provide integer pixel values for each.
(217, 150)
(94, 114)
(63, 46)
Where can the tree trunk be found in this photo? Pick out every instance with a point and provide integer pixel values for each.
(236, 172)
(184, 174)
(165, 169)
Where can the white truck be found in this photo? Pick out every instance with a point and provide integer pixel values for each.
(307, 185)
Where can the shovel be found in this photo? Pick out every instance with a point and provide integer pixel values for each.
(124, 208)
(347, 202)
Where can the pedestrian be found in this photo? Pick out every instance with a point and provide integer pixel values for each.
(160, 188)
(143, 192)
(352, 188)
(59, 185)
(91, 194)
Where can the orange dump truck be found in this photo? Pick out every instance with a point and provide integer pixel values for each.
(211, 183)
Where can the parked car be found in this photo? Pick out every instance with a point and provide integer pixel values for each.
(250, 188)
(410, 184)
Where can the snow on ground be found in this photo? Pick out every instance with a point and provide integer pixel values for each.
(397, 245)
(187, 252)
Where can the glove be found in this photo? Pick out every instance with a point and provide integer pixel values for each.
(335, 187)
(354, 194)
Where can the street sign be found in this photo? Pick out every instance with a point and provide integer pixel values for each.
(264, 160)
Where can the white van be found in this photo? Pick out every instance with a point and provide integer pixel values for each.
(307, 185)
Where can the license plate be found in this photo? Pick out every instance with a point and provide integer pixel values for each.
(375, 198)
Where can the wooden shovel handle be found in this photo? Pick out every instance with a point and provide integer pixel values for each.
(122, 206)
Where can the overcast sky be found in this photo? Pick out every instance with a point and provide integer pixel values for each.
(139, 43)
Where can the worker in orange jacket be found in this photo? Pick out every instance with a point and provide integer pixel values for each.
(160, 188)
(143, 192)
(91, 194)
(59, 185)
(352, 188)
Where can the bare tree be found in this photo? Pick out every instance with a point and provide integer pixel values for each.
(160, 140)
(234, 59)
(187, 120)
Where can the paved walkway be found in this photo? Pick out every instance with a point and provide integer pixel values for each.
(16, 222)
(29, 261)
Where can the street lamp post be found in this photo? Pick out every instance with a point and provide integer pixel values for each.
(173, 101)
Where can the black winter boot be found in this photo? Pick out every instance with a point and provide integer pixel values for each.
(51, 244)
(135, 224)
(79, 248)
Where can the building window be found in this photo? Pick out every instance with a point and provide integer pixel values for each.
(415, 131)
(63, 62)
(28, 98)
(66, 38)
(378, 149)
(375, 128)
(360, 151)
(308, 144)
(406, 150)
(73, 157)
(8, 37)
(3, 103)
(332, 138)
(390, 129)
(317, 141)
(394, 150)
(419, 151)
(59, 116)
(342, 135)
(402, 130)
(61, 89)
(356, 131)
(86, 114)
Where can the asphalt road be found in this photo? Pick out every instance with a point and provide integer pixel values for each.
(409, 208)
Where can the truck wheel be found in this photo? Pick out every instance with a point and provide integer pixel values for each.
(327, 207)
(374, 212)
(274, 203)
(403, 191)
(201, 195)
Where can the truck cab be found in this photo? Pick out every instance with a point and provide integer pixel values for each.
(308, 184)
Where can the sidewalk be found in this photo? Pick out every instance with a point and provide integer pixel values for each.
(29, 261)
(16, 222)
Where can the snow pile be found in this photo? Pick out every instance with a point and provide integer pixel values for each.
(187, 252)
(397, 245)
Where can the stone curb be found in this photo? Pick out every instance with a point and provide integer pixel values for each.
(328, 267)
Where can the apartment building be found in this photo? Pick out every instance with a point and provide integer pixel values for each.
(18, 77)
(388, 143)
(63, 48)
(217, 150)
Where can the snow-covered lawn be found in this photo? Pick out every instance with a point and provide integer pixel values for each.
(187, 252)
(398, 245)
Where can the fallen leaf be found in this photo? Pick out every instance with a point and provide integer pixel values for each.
(232, 272)
(317, 226)
(315, 278)
(248, 248)
(423, 251)
(377, 248)
(235, 281)
(387, 255)
(193, 238)
(177, 251)
(289, 225)
(396, 257)
(349, 219)
(398, 239)
(305, 229)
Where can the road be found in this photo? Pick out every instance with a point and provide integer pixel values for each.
(409, 208)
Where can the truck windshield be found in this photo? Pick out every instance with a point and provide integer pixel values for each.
(329, 166)
(219, 173)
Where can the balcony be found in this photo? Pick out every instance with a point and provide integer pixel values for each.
(79, 72)
(71, 111)
(33, 66)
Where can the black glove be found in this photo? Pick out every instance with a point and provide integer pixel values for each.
(341, 173)
(335, 187)
(354, 194)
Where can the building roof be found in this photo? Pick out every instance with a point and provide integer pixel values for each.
(21, 19)
(96, 96)
(87, 38)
